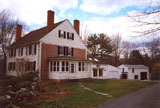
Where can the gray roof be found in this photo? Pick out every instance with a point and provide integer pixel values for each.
(136, 66)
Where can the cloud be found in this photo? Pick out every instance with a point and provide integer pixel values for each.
(35, 11)
(105, 7)
(111, 26)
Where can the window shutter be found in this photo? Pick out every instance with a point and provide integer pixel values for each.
(26, 50)
(72, 36)
(67, 51)
(59, 33)
(58, 50)
(64, 52)
(67, 35)
(35, 48)
(64, 34)
(72, 51)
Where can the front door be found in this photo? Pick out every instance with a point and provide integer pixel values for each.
(72, 72)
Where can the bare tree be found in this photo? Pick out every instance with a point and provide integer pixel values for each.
(147, 21)
(119, 47)
(85, 33)
(21, 65)
(7, 31)
(154, 47)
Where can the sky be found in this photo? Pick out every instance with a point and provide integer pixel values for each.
(96, 16)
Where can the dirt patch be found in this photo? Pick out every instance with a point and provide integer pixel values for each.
(52, 94)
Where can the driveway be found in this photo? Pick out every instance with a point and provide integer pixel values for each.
(148, 97)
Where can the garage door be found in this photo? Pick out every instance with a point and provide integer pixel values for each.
(124, 76)
(143, 75)
(113, 74)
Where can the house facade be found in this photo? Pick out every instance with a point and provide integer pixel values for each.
(56, 51)
(134, 72)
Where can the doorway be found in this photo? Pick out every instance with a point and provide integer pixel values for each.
(143, 75)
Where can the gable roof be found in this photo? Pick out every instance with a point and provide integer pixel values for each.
(136, 66)
(33, 36)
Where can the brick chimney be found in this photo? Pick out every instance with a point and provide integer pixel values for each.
(76, 25)
(18, 32)
(50, 20)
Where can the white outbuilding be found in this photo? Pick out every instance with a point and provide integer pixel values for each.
(138, 72)
(101, 70)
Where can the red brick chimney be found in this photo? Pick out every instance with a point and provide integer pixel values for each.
(18, 32)
(76, 25)
(50, 20)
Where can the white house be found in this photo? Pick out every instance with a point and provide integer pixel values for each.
(139, 72)
(101, 70)
(56, 51)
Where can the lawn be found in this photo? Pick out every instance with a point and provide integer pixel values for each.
(80, 98)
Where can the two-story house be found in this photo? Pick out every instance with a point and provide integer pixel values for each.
(56, 51)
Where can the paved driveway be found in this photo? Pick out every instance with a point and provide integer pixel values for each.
(148, 97)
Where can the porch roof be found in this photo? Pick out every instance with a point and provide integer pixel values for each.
(68, 58)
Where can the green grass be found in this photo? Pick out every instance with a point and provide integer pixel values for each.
(80, 98)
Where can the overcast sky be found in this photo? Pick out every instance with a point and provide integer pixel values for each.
(99, 16)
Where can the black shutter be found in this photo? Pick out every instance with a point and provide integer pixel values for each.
(64, 52)
(67, 35)
(58, 50)
(59, 33)
(67, 51)
(72, 51)
(72, 36)
(64, 34)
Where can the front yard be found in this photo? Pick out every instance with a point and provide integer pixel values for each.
(77, 97)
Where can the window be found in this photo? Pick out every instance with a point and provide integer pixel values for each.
(94, 72)
(54, 66)
(133, 70)
(34, 49)
(11, 66)
(20, 51)
(100, 72)
(12, 52)
(135, 76)
(62, 34)
(79, 66)
(70, 51)
(82, 66)
(65, 66)
(31, 49)
(62, 50)
(70, 36)
(30, 66)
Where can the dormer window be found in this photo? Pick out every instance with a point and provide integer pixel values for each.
(62, 34)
